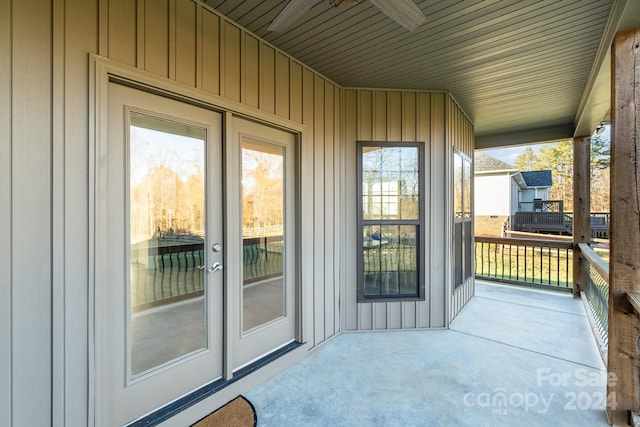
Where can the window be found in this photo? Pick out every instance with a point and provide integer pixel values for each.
(390, 221)
(462, 229)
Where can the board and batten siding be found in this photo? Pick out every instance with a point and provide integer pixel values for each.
(26, 228)
(398, 115)
(460, 136)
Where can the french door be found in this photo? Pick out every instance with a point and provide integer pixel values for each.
(265, 289)
(168, 318)
(159, 254)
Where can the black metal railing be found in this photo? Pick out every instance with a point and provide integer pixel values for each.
(166, 273)
(170, 270)
(262, 258)
(528, 262)
(596, 295)
(390, 265)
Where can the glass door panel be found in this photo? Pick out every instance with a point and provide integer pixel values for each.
(166, 217)
(263, 240)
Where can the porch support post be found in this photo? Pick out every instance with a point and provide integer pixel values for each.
(623, 388)
(581, 209)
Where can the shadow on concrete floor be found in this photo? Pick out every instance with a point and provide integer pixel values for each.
(513, 357)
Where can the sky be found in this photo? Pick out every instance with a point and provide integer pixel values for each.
(509, 155)
(151, 148)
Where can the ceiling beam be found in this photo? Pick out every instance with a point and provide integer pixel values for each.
(524, 137)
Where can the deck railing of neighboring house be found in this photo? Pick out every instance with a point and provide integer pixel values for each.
(595, 296)
(600, 223)
(533, 263)
(553, 222)
(539, 205)
(549, 216)
(170, 271)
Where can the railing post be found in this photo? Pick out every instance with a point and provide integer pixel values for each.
(581, 209)
(623, 389)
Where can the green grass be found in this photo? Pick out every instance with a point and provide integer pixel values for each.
(546, 266)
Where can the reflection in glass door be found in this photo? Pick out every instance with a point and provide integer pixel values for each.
(262, 187)
(166, 210)
(263, 233)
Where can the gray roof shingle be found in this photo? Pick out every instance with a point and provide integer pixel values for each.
(537, 178)
(485, 163)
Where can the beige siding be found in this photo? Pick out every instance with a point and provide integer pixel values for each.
(231, 61)
(123, 20)
(184, 52)
(70, 177)
(461, 138)
(282, 85)
(208, 56)
(250, 72)
(350, 309)
(329, 196)
(6, 189)
(318, 213)
(338, 212)
(267, 78)
(25, 212)
(295, 92)
(434, 106)
(308, 202)
(393, 115)
(156, 36)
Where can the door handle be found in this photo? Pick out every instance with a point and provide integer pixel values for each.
(215, 267)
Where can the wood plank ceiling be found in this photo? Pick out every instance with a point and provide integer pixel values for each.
(513, 66)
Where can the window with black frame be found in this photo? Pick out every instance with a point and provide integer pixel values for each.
(462, 221)
(390, 221)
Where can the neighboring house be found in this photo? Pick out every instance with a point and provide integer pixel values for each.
(501, 190)
(536, 187)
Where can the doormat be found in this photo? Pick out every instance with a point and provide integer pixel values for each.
(237, 413)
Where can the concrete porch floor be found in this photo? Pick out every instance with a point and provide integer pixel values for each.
(513, 357)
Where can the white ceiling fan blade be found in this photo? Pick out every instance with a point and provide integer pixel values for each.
(404, 12)
(290, 13)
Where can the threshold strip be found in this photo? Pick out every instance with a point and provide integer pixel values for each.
(163, 414)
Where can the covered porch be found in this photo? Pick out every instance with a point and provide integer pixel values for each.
(474, 75)
(513, 356)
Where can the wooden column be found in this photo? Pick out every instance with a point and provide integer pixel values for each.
(581, 209)
(624, 328)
